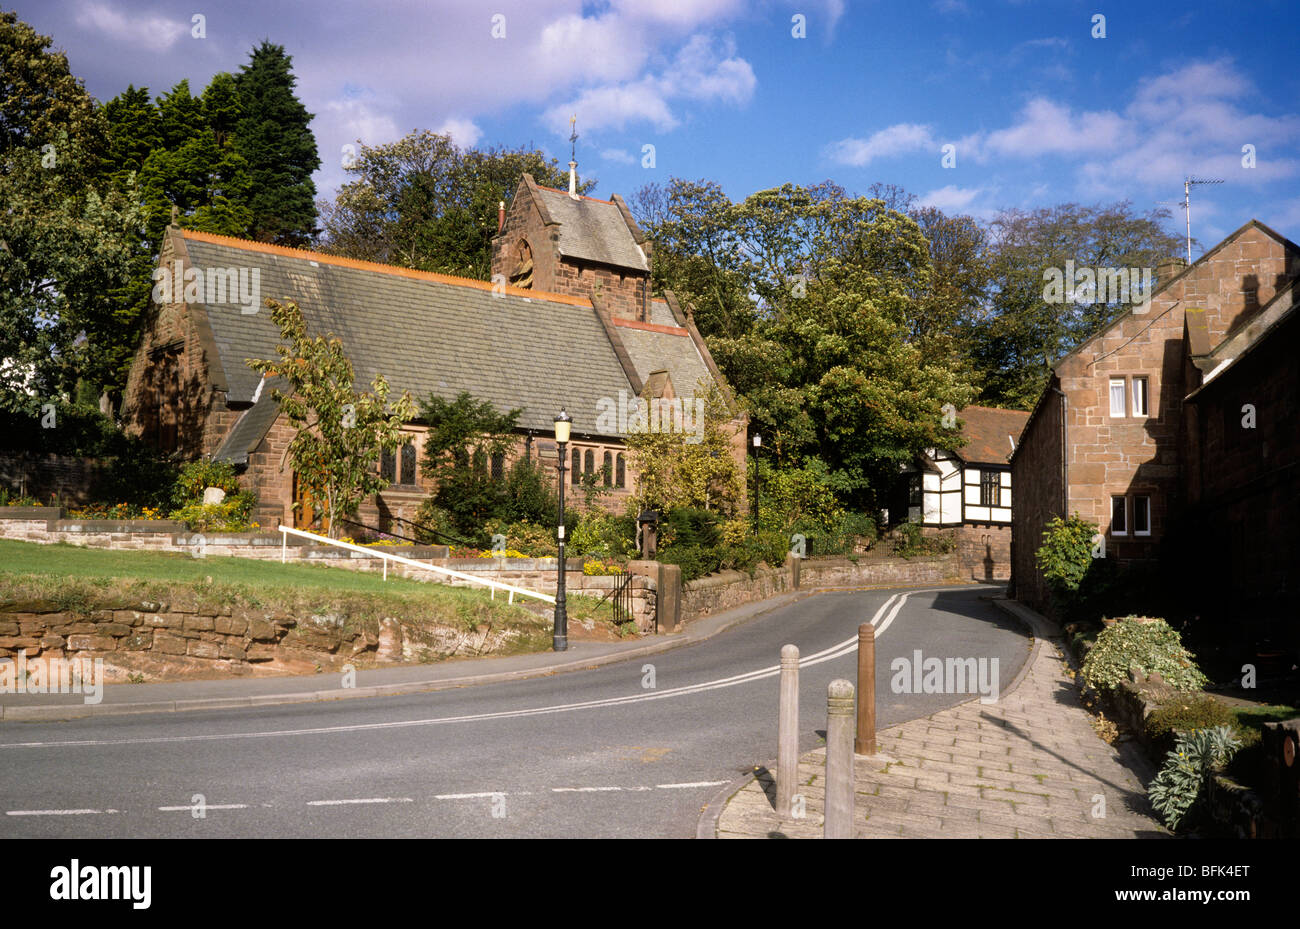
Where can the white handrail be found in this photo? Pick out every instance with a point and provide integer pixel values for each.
(495, 585)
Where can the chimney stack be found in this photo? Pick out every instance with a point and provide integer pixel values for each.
(501, 216)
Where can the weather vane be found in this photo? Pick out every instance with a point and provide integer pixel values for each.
(573, 137)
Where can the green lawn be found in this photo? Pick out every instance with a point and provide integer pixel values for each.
(31, 558)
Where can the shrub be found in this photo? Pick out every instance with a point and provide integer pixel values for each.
(230, 515)
(527, 496)
(694, 560)
(199, 475)
(1154, 647)
(1200, 711)
(1196, 757)
(1077, 580)
(603, 535)
(691, 526)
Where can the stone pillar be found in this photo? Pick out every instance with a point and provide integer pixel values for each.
(787, 733)
(839, 760)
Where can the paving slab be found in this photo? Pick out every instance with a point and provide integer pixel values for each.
(1028, 766)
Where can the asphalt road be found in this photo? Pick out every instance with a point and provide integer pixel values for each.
(604, 752)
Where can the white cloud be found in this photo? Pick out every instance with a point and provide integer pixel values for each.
(462, 131)
(622, 156)
(151, 31)
(895, 140)
(951, 199)
(1049, 127)
(702, 70)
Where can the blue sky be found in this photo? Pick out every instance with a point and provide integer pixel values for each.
(1039, 111)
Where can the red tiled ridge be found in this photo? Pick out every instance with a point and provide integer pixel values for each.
(339, 261)
(650, 327)
(556, 190)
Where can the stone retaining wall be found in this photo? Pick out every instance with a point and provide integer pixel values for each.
(728, 589)
(184, 638)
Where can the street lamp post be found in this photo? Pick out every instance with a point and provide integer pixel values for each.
(560, 635)
(758, 443)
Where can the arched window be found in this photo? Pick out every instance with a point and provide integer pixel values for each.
(408, 463)
(388, 466)
(607, 470)
(480, 461)
(620, 472)
(498, 467)
(589, 462)
(575, 475)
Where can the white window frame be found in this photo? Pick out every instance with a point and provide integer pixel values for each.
(1122, 383)
(1136, 498)
(1113, 530)
(1145, 393)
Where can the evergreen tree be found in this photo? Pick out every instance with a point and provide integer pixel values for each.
(273, 137)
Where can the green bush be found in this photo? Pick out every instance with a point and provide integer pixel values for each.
(691, 526)
(1199, 711)
(1196, 757)
(694, 560)
(603, 535)
(1154, 647)
(199, 475)
(527, 496)
(230, 515)
(1079, 582)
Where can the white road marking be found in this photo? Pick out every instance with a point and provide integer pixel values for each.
(489, 793)
(827, 654)
(582, 790)
(692, 784)
(366, 800)
(203, 806)
(57, 812)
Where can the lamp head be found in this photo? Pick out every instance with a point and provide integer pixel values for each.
(563, 426)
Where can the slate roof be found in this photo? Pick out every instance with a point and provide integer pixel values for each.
(248, 431)
(426, 333)
(593, 230)
(986, 431)
(674, 352)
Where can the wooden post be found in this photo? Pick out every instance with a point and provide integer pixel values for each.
(787, 733)
(865, 744)
(839, 761)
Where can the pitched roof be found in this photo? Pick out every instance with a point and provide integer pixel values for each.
(1281, 310)
(425, 333)
(991, 434)
(592, 230)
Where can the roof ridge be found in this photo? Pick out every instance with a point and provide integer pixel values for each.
(358, 264)
(556, 190)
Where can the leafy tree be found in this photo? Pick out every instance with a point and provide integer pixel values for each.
(464, 434)
(340, 432)
(1022, 334)
(833, 370)
(273, 137)
(65, 235)
(673, 472)
(422, 202)
(696, 252)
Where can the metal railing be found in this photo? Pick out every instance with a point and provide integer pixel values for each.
(286, 531)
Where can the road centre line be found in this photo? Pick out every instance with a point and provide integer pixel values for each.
(190, 807)
(57, 812)
(364, 800)
(894, 604)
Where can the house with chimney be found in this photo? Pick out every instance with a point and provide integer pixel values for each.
(568, 321)
(1176, 430)
(966, 489)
